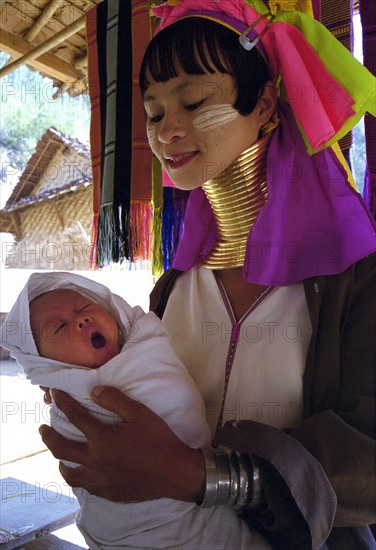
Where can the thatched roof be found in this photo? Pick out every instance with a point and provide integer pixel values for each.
(51, 33)
(28, 192)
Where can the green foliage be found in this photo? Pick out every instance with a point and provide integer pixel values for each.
(27, 110)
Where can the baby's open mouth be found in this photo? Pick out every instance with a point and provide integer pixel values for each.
(98, 340)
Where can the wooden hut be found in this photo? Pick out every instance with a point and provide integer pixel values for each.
(49, 212)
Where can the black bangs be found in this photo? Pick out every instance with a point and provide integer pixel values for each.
(200, 46)
(188, 45)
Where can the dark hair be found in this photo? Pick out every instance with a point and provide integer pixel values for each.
(201, 46)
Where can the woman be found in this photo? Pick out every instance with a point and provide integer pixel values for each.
(273, 286)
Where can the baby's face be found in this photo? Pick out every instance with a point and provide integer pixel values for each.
(71, 328)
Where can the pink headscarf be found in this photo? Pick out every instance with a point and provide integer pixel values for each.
(320, 104)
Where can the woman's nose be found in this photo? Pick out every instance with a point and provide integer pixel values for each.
(173, 126)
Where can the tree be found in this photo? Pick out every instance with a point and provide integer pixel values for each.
(28, 110)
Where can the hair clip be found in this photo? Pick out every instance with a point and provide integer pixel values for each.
(250, 44)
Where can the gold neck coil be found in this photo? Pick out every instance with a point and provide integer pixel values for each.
(236, 197)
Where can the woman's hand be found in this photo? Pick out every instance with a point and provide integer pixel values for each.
(47, 396)
(139, 459)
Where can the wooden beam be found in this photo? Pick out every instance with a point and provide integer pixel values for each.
(41, 22)
(45, 47)
(80, 62)
(43, 19)
(47, 63)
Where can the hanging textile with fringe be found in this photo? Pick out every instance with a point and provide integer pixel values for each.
(134, 217)
(118, 33)
(368, 19)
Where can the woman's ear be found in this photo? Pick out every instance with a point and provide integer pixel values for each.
(266, 103)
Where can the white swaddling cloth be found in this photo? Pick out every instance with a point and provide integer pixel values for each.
(148, 371)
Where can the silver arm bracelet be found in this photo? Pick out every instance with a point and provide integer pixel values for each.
(232, 479)
(224, 476)
(256, 499)
(211, 488)
(245, 477)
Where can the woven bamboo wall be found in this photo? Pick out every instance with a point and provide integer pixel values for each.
(55, 234)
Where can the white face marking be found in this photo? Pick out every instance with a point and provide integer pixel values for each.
(150, 131)
(213, 117)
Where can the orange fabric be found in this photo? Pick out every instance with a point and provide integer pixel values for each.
(141, 186)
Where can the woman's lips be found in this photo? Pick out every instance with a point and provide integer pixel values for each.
(177, 161)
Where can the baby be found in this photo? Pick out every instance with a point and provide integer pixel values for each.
(71, 333)
(71, 328)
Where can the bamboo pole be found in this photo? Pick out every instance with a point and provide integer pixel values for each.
(46, 46)
(41, 22)
(43, 19)
(47, 63)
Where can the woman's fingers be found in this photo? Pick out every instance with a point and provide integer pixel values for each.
(103, 485)
(80, 477)
(77, 414)
(139, 458)
(107, 397)
(47, 396)
(62, 448)
(114, 400)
